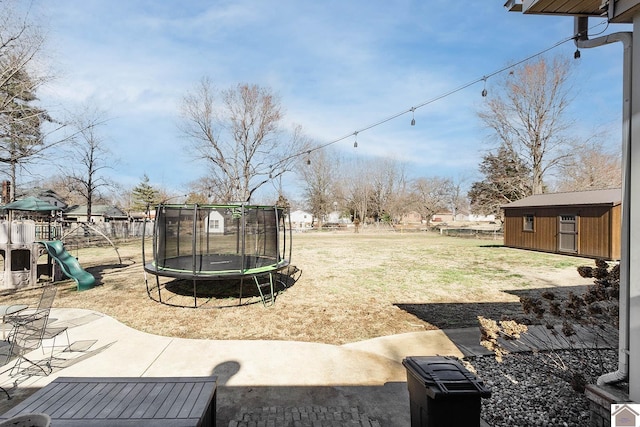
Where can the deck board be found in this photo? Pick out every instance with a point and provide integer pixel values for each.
(148, 401)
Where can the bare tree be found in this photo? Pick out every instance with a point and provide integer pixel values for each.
(88, 159)
(238, 132)
(431, 195)
(319, 172)
(455, 196)
(59, 184)
(386, 179)
(400, 202)
(356, 186)
(201, 191)
(591, 167)
(528, 116)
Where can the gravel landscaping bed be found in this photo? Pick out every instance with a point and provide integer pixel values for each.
(532, 389)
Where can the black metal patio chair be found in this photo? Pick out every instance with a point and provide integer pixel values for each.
(27, 336)
(44, 308)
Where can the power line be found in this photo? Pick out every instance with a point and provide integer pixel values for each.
(437, 98)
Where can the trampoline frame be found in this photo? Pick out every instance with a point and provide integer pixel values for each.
(196, 273)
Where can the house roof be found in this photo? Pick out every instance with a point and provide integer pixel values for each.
(46, 195)
(610, 197)
(97, 210)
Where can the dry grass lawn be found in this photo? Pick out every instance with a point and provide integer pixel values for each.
(352, 287)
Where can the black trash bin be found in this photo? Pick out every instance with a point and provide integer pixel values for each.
(443, 393)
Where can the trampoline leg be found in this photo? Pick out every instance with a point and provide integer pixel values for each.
(195, 299)
(158, 285)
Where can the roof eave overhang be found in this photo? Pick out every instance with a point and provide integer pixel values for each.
(572, 206)
(564, 7)
(622, 11)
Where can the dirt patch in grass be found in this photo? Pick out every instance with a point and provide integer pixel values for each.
(351, 287)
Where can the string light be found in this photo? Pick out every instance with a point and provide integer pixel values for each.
(449, 93)
(439, 97)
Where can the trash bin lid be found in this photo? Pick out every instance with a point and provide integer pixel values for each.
(443, 376)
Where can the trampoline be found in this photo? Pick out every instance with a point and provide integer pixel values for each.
(216, 243)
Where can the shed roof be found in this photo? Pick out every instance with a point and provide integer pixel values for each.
(611, 197)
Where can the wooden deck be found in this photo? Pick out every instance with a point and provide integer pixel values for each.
(113, 401)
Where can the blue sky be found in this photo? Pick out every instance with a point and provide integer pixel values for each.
(338, 66)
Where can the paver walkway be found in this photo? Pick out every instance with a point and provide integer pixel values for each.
(305, 416)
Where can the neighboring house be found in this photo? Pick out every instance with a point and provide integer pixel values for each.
(461, 215)
(584, 223)
(51, 197)
(48, 196)
(338, 218)
(412, 217)
(301, 220)
(481, 218)
(215, 222)
(442, 217)
(99, 213)
(447, 216)
(142, 215)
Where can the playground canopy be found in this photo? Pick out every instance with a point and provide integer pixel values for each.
(31, 203)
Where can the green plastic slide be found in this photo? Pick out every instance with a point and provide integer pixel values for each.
(69, 264)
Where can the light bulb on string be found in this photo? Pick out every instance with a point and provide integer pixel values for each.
(484, 93)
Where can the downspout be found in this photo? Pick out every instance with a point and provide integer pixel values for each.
(582, 41)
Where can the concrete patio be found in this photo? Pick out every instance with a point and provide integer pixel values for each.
(362, 383)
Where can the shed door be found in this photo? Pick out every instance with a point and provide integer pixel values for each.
(568, 233)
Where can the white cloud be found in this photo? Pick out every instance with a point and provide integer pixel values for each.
(338, 66)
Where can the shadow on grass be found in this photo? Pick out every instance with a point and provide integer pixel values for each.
(461, 315)
(99, 271)
(465, 315)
